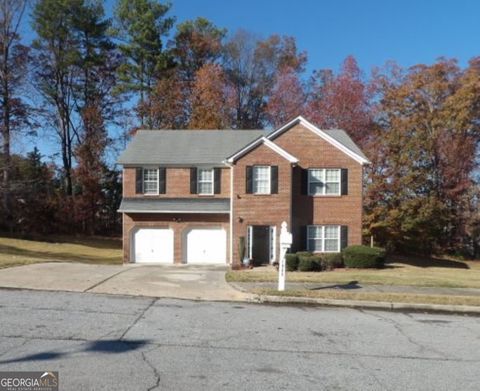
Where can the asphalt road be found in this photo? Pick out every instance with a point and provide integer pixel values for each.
(100, 342)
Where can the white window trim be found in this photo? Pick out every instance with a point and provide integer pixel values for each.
(143, 181)
(322, 238)
(269, 186)
(200, 181)
(324, 174)
(249, 241)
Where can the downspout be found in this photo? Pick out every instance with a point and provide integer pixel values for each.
(231, 213)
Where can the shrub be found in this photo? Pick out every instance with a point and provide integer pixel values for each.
(309, 263)
(304, 253)
(364, 257)
(291, 261)
(331, 261)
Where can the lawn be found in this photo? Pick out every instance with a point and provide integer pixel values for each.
(373, 296)
(15, 252)
(409, 271)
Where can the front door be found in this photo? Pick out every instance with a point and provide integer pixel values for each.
(260, 245)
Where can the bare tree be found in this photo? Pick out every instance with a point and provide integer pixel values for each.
(13, 71)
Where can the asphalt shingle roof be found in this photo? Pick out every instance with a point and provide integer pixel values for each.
(184, 147)
(343, 138)
(175, 205)
(209, 147)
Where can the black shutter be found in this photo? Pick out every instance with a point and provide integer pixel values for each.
(193, 180)
(249, 180)
(139, 180)
(344, 184)
(303, 245)
(304, 181)
(343, 237)
(162, 180)
(217, 176)
(274, 180)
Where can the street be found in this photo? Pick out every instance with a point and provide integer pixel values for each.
(106, 342)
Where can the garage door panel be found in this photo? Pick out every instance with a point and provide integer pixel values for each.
(153, 245)
(206, 246)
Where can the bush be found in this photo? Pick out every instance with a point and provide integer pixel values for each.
(291, 261)
(309, 263)
(304, 253)
(364, 257)
(331, 261)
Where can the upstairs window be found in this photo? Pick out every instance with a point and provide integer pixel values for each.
(324, 181)
(261, 180)
(205, 178)
(150, 181)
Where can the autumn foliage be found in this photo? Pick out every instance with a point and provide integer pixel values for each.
(96, 77)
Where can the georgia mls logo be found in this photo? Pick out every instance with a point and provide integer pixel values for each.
(28, 381)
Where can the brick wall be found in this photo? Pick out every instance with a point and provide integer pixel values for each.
(180, 224)
(178, 183)
(251, 209)
(314, 152)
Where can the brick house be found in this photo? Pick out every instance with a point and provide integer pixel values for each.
(190, 195)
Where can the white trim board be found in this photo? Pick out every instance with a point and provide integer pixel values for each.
(268, 143)
(302, 121)
(172, 211)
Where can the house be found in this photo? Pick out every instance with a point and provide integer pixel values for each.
(189, 196)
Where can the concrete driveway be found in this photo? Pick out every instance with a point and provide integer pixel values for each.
(182, 281)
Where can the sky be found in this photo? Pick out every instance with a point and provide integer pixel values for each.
(374, 31)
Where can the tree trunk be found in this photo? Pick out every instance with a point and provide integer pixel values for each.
(7, 159)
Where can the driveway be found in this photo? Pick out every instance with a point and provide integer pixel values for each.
(182, 281)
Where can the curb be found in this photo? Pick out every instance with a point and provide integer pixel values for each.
(375, 305)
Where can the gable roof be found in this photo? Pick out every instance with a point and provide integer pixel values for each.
(337, 137)
(263, 140)
(186, 147)
(213, 147)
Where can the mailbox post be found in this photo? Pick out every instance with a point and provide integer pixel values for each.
(285, 243)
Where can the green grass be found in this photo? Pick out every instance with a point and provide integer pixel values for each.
(408, 271)
(15, 252)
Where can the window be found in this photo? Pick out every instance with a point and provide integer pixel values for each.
(205, 181)
(150, 181)
(324, 181)
(261, 180)
(323, 238)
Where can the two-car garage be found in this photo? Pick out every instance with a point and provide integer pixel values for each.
(199, 245)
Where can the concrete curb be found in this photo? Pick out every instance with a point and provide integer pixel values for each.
(376, 305)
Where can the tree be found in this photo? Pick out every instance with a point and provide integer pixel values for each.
(96, 105)
(168, 103)
(251, 66)
(90, 170)
(13, 107)
(342, 101)
(140, 26)
(420, 190)
(287, 99)
(55, 59)
(196, 43)
(211, 99)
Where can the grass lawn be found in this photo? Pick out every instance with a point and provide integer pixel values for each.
(15, 252)
(400, 271)
(372, 296)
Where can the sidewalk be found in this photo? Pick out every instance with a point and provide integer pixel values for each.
(354, 295)
(360, 288)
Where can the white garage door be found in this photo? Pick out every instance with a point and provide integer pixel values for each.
(153, 245)
(207, 245)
